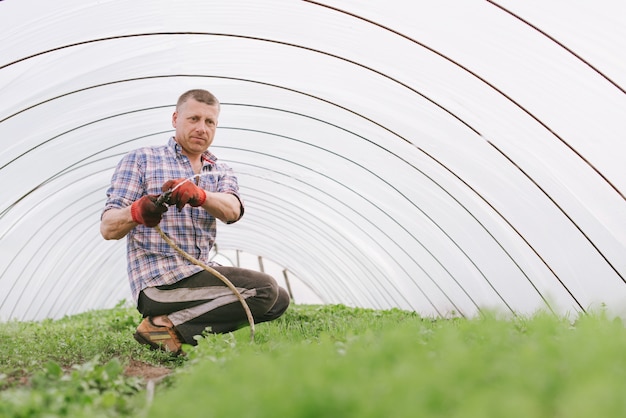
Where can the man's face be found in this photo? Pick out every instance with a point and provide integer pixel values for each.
(195, 124)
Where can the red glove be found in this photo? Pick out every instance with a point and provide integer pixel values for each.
(145, 210)
(187, 192)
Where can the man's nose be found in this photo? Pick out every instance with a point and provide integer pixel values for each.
(200, 127)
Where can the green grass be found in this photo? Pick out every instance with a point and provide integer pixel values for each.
(322, 361)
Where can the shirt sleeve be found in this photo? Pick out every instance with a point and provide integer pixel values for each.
(127, 184)
(228, 184)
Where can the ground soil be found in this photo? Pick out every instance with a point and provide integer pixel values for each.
(145, 370)
(135, 368)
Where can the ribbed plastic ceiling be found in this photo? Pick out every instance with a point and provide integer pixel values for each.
(438, 156)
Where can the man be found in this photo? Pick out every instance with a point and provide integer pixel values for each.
(177, 298)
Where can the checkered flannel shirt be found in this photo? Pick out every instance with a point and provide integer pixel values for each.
(151, 261)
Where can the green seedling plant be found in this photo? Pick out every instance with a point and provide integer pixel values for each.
(88, 390)
(321, 361)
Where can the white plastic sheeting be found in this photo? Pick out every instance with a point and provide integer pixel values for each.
(440, 156)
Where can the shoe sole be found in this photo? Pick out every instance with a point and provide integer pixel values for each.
(142, 340)
(154, 346)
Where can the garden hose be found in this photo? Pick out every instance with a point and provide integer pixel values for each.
(213, 272)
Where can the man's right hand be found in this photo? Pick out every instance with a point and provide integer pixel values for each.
(145, 210)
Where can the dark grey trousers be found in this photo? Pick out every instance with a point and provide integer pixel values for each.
(202, 302)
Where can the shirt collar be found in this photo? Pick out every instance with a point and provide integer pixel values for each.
(207, 156)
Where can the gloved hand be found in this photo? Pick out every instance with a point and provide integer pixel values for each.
(187, 192)
(145, 210)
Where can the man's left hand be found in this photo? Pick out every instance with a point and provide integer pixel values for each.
(186, 193)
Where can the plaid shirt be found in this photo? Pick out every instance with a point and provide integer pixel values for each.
(151, 261)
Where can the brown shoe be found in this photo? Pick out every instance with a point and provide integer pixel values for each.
(158, 337)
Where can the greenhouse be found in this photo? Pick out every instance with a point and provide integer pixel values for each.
(436, 157)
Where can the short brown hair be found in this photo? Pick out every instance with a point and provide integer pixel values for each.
(203, 96)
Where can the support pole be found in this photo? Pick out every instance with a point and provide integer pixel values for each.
(286, 276)
(261, 268)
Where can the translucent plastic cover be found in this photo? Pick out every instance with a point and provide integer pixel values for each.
(438, 156)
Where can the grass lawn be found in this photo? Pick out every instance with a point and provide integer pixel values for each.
(319, 361)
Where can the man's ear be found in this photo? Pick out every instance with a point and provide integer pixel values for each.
(174, 116)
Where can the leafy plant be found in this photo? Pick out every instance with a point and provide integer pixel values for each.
(89, 390)
(360, 363)
(319, 361)
(26, 347)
